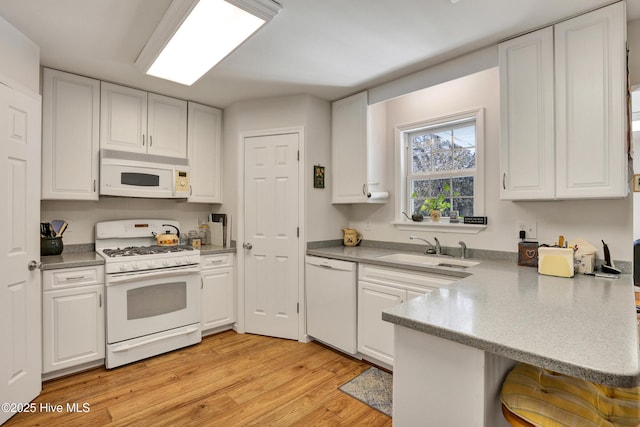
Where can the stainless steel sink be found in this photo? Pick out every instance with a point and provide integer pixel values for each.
(428, 260)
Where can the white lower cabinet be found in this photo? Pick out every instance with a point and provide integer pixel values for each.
(73, 322)
(218, 291)
(380, 288)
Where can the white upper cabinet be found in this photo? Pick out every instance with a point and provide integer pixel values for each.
(566, 141)
(140, 122)
(204, 145)
(591, 113)
(123, 123)
(357, 150)
(167, 126)
(70, 138)
(527, 157)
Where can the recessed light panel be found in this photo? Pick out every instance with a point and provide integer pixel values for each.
(212, 30)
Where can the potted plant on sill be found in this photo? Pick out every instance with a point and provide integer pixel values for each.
(434, 205)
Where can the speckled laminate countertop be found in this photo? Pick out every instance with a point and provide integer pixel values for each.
(83, 259)
(585, 327)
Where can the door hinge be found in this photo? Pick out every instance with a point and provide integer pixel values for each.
(297, 231)
(298, 307)
(298, 155)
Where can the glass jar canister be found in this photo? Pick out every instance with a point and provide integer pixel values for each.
(205, 234)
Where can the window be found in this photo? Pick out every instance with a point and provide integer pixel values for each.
(443, 156)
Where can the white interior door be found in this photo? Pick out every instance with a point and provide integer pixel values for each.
(271, 235)
(20, 318)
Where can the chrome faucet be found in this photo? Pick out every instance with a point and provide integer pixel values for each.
(438, 247)
(463, 249)
(431, 249)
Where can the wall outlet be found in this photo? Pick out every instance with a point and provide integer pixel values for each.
(529, 227)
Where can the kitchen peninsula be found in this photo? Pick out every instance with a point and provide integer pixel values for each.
(454, 345)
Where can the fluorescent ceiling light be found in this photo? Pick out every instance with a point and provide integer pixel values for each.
(202, 33)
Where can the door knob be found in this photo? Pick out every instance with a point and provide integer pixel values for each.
(247, 245)
(33, 264)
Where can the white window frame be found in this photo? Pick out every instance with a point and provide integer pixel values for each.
(401, 202)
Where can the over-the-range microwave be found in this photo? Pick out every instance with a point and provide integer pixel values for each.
(142, 175)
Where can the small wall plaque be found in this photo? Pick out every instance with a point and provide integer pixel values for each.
(318, 176)
(636, 183)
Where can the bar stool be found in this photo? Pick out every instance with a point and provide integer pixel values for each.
(536, 397)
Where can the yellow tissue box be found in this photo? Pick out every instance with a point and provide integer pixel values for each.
(555, 262)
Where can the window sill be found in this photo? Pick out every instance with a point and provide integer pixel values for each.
(442, 226)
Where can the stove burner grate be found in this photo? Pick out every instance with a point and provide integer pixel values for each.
(145, 250)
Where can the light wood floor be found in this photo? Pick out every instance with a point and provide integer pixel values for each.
(227, 380)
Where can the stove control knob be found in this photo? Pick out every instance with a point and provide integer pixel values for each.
(152, 263)
(135, 265)
(124, 267)
(165, 263)
(185, 260)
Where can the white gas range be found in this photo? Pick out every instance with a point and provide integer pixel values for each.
(153, 292)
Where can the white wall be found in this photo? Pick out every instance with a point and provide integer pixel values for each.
(323, 221)
(83, 216)
(595, 220)
(20, 58)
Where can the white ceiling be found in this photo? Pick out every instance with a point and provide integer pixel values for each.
(326, 48)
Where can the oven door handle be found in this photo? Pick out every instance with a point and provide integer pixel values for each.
(127, 347)
(155, 274)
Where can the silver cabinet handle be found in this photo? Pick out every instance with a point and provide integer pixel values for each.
(504, 177)
(150, 140)
(143, 139)
(94, 185)
(34, 265)
(247, 246)
(363, 192)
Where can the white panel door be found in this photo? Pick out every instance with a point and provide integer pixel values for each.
(270, 228)
(375, 336)
(204, 150)
(527, 147)
(20, 328)
(70, 136)
(218, 299)
(167, 126)
(73, 327)
(591, 80)
(123, 118)
(349, 149)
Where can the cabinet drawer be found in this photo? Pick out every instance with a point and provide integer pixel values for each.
(72, 277)
(402, 278)
(216, 261)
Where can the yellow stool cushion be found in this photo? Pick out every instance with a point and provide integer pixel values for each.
(548, 399)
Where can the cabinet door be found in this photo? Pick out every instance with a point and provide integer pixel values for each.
(167, 126)
(70, 136)
(590, 58)
(73, 327)
(527, 159)
(375, 336)
(123, 118)
(218, 302)
(205, 153)
(349, 149)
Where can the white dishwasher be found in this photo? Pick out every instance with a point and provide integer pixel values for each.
(331, 302)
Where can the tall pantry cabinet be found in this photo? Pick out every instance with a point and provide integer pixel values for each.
(563, 109)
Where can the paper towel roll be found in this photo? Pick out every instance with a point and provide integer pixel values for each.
(378, 195)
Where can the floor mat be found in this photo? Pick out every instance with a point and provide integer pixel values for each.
(373, 387)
